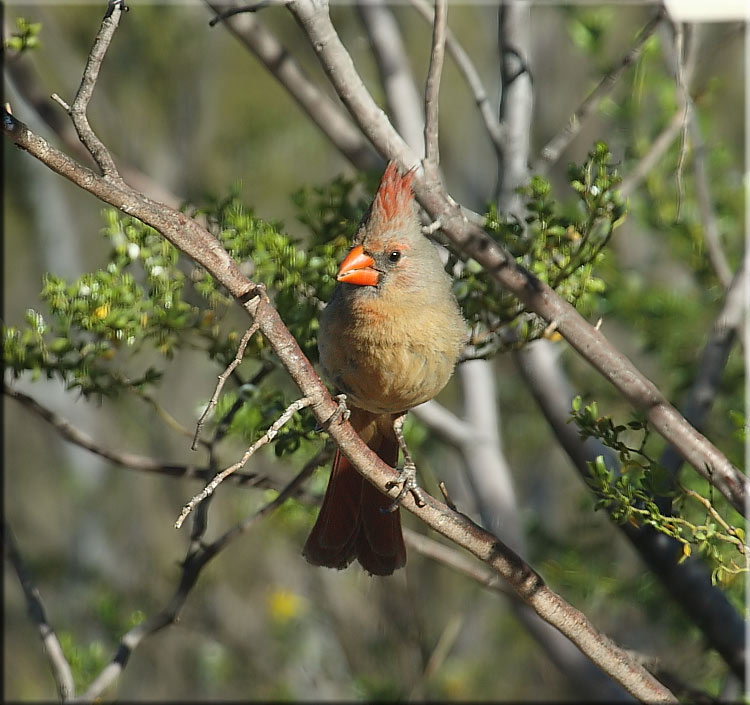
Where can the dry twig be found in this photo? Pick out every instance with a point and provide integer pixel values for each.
(249, 333)
(267, 437)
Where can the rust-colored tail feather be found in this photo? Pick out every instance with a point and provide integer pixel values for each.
(351, 523)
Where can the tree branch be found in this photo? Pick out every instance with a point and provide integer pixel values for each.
(471, 76)
(432, 86)
(199, 244)
(321, 110)
(516, 105)
(77, 110)
(537, 296)
(402, 98)
(131, 461)
(58, 663)
(556, 146)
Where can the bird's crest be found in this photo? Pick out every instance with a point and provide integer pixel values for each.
(394, 193)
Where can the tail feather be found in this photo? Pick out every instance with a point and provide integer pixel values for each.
(351, 523)
(333, 540)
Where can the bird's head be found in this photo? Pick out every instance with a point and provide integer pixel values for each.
(390, 250)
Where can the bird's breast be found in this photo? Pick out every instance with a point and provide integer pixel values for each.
(389, 358)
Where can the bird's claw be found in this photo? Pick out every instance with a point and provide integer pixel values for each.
(407, 478)
(342, 413)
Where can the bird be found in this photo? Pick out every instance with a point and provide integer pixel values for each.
(389, 339)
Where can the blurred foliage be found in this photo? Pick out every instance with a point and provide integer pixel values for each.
(25, 37)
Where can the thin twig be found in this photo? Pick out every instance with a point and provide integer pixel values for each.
(682, 88)
(471, 75)
(268, 436)
(249, 333)
(653, 156)
(554, 148)
(432, 86)
(61, 670)
(80, 103)
(664, 140)
(131, 461)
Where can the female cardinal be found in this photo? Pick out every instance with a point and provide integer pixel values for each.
(389, 340)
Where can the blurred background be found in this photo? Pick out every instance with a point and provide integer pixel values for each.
(187, 105)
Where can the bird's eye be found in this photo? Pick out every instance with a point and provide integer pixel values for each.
(394, 256)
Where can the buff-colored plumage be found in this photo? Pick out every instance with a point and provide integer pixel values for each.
(389, 339)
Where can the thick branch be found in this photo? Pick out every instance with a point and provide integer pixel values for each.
(537, 296)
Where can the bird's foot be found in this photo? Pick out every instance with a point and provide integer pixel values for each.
(407, 478)
(342, 413)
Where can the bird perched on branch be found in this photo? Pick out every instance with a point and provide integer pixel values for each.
(389, 340)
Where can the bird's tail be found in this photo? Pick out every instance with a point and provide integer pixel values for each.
(351, 523)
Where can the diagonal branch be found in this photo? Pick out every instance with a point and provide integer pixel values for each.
(58, 663)
(688, 582)
(131, 461)
(321, 110)
(537, 296)
(554, 148)
(402, 98)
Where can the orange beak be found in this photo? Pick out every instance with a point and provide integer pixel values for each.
(357, 268)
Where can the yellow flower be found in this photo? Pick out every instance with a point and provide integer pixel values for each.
(284, 605)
